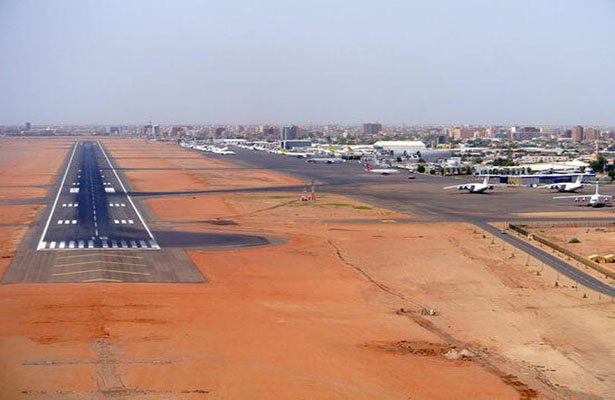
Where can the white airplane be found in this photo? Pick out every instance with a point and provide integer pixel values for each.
(225, 151)
(293, 154)
(381, 171)
(474, 187)
(594, 200)
(566, 186)
(325, 160)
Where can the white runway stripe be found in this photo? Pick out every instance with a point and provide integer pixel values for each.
(90, 244)
(64, 205)
(42, 245)
(142, 243)
(71, 244)
(131, 221)
(123, 221)
(62, 244)
(81, 244)
(114, 244)
(60, 222)
(74, 221)
(105, 244)
(116, 221)
(133, 244)
(52, 245)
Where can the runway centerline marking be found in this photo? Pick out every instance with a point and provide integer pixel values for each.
(102, 280)
(125, 191)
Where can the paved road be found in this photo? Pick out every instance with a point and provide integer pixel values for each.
(92, 208)
(425, 200)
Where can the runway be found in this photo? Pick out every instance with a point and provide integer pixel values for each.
(92, 209)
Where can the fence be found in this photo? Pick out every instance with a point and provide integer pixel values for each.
(541, 239)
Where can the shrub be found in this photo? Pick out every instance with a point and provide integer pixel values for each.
(574, 240)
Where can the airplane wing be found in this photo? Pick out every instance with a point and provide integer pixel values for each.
(451, 187)
(572, 197)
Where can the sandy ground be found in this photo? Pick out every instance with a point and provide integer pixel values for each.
(592, 240)
(333, 313)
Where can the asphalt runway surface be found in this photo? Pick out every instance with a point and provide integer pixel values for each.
(93, 231)
(425, 200)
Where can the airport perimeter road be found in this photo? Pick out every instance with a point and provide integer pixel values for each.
(564, 268)
(92, 208)
(424, 199)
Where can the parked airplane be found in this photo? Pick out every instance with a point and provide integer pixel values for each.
(594, 200)
(225, 151)
(293, 154)
(566, 186)
(381, 171)
(325, 160)
(473, 187)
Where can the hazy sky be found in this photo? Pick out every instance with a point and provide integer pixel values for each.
(414, 62)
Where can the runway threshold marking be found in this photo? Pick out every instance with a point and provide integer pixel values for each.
(101, 270)
(55, 203)
(100, 262)
(126, 192)
(99, 254)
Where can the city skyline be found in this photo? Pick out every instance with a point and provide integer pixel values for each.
(514, 63)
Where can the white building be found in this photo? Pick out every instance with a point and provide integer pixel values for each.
(401, 147)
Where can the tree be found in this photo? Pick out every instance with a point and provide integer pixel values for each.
(598, 165)
(421, 169)
(612, 174)
(477, 160)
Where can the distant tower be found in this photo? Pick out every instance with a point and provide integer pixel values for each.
(289, 133)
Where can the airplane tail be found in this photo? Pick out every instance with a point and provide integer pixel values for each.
(597, 186)
(579, 179)
(350, 150)
(368, 167)
(486, 180)
(282, 150)
(332, 148)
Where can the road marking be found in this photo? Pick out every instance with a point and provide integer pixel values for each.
(43, 244)
(131, 221)
(76, 204)
(105, 244)
(133, 244)
(81, 244)
(64, 205)
(116, 221)
(110, 190)
(74, 221)
(143, 244)
(71, 244)
(90, 244)
(114, 244)
(102, 280)
(128, 196)
(123, 221)
(52, 245)
(62, 244)
(66, 221)
(101, 270)
(98, 254)
(123, 205)
(124, 244)
(74, 190)
(154, 244)
(99, 262)
(60, 221)
(110, 204)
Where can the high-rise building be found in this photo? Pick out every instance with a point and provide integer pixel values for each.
(463, 133)
(371, 128)
(591, 134)
(577, 133)
(289, 133)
